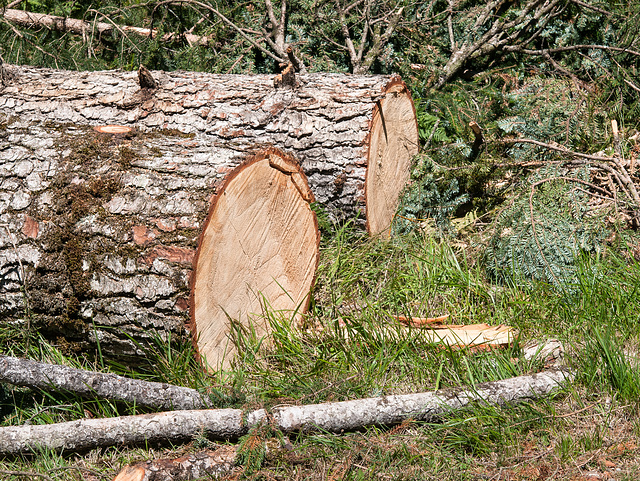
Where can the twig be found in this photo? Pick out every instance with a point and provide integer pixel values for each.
(13, 4)
(25, 474)
(594, 8)
(433, 131)
(81, 469)
(331, 385)
(556, 147)
(553, 416)
(225, 20)
(518, 48)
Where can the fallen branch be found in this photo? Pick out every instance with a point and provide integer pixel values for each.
(557, 148)
(620, 172)
(74, 25)
(90, 384)
(176, 426)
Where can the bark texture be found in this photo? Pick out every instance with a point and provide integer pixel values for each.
(325, 121)
(230, 423)
(209, 464)
(90, 384)
(85, 434)
(99, 231)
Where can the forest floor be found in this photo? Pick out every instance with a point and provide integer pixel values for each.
(349, 346)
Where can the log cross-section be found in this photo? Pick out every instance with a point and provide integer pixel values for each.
(258, 251)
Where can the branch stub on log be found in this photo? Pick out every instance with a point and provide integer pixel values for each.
(113, 129)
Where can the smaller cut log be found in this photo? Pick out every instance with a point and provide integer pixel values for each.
(91, 384)
(259, 250)
(177, 426)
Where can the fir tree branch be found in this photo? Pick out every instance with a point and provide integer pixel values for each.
(518, 48)
(557, 148)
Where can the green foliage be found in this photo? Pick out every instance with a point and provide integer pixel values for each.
(605, 362)
(544, 230)
(550, 109)
(428, 198)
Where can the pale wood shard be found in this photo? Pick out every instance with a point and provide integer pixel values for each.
(472, 335)
(113, 129)
(91, 384)
(392, 145)
(208, 463)
(180, 426)
(258, 251)
(458, 335)
(423, 321)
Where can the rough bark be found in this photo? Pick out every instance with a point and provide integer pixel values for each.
(99, 231)
(209, 464)
(90, 384)
(230, 423)
(100, 234)
(327, 122)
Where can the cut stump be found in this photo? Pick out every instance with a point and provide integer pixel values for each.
(259, 249)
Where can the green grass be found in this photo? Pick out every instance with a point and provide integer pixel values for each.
(349, 346)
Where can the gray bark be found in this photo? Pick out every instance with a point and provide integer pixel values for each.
(209, 464)
(98, 232)
(230, 423)
(90, 384)
(324, 122)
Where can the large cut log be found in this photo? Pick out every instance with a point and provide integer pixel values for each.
(353, 135)
(99, 231)
(337, 417)
(258, 251)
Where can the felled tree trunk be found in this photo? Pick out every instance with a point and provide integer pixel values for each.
(100, 231)
(354, 135)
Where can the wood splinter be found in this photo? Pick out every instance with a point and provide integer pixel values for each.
(287, 79)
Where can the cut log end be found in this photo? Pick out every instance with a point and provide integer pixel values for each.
(393, 142)
(259, 249)
(113, 129)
